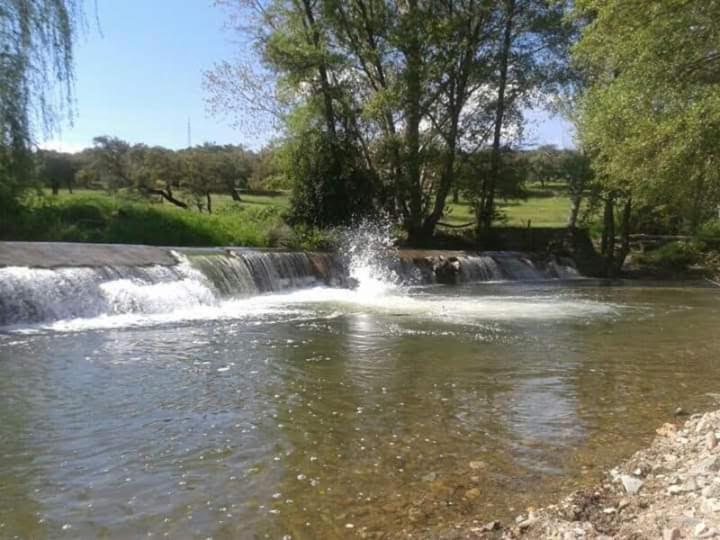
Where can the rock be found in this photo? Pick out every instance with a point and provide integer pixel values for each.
(675, 490)
(491, 526)
(529, 522)
(680, 411)
(429, 477)
(631, 484)
(710, 506)
(671, 534)
(699, 528)
(624, 503)
(690, 485)
(447, 271)
(667, 430)
(710, 440)
(475, 465)
(472, 494)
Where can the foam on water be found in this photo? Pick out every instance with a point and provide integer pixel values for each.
(252, 286)
(326, 302)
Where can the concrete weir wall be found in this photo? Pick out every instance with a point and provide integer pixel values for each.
(66, 254)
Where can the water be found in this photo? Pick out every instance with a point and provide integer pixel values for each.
(184, 403)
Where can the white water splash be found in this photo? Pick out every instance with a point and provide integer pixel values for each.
(370, 253)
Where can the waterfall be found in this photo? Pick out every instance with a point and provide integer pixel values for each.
(209, 277)
(30, 295)
(247, 272)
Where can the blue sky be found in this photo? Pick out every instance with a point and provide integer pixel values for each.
(139, 77)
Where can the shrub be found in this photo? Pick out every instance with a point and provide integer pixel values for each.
(674, 256)
(710, 234)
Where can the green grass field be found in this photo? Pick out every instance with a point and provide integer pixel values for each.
(126, 217)
(546, 206)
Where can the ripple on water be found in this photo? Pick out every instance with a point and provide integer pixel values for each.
(320, 409)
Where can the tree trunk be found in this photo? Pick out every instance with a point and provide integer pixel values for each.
(607, 247)
(166, 196)
(413, 189)
(576, 201)
(625, 236)
(322, 71)
(209, 202)
(488, 209)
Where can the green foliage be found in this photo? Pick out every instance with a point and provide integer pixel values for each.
(650, 116)
(709, 234)
(98, 217)
(36, 65)
(410, 87)
(330, 185)
(675, 256)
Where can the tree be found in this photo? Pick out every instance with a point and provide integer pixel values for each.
(111, 162)
(650, 116)
(531, 59)
(36, 63)
(400, 90)
(156, 171)
(56, 169)
(545, 164)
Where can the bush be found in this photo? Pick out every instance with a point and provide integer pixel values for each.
(674, 256)
(709, 234)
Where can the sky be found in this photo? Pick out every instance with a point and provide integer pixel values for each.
(139, 70)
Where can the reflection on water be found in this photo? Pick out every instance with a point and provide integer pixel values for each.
(326, 414)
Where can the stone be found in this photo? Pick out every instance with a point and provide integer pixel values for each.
(671, 534)
(675, 490)
(491, 526)
(709, 505)
(429, 477)
(690, 485)
(710, 440)
(667, 430)
(699, 528)
(475, 465)
(680, 411)
(472, 494)
(631, 484)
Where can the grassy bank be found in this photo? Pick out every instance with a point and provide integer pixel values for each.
(93, 216)
(257, 220)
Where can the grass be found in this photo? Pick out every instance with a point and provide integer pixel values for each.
(125, 217)
(545, 206)
(95, 216)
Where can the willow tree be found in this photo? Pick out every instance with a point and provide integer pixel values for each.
(650, 116)
(36, 66)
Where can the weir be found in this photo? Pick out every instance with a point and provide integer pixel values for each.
(69, 281)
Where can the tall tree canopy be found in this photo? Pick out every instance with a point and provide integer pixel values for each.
(650, 116)
(36, 65)
(381, 99)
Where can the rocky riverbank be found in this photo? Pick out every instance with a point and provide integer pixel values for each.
(670, 490)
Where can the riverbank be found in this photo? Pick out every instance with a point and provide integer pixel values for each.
(670, 490)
